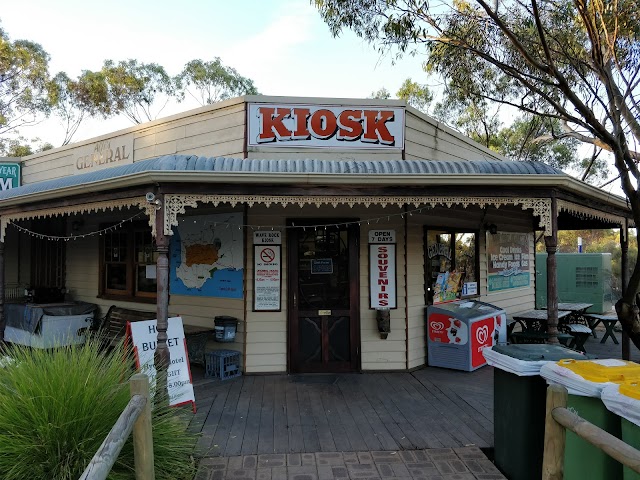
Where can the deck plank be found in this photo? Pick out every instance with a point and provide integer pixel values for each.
(252, 428)
(280, 431)
(296, 439)
(266, 433)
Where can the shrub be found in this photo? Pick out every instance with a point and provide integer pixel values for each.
(57, 406)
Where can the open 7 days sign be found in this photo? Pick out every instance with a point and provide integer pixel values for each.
(325, 126)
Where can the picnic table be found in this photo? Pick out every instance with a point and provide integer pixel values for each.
(578, 314)
(535, 322)
(609, 322)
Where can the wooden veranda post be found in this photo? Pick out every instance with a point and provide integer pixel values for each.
(161, 358)
(551, 243)
(624, 280)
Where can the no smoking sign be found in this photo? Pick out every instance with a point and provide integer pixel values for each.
(267, 255)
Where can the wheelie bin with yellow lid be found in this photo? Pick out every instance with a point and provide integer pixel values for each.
(585, 380)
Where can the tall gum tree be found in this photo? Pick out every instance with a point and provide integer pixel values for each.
(576, 62)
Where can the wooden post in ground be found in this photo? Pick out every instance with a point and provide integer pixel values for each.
(554, 433)
(142, 434)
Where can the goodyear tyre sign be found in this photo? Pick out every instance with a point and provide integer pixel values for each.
(10, 175)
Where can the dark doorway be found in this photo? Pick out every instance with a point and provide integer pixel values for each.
(324, 327)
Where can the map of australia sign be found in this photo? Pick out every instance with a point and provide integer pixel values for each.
(206, 256)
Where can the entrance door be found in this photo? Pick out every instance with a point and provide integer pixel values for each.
(324, 327)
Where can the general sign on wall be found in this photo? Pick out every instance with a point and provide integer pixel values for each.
(112, 152)
(382, 268)
(267, 267)
(290, 125)
(9, 175)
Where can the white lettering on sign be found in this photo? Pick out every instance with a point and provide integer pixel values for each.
(329, 126)
(382, 236)
(266, 238)
(9, 175)
(382, 275)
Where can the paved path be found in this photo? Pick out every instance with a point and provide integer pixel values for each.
(464, 463)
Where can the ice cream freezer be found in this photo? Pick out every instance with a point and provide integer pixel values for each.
(457, 332)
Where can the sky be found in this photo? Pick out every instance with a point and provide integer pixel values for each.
(282, 45)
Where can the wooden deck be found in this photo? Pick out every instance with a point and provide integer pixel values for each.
(428, 408)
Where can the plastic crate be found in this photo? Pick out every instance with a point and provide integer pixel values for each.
(222, 364)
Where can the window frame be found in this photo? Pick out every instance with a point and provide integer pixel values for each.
(131, 264)
(452, 231)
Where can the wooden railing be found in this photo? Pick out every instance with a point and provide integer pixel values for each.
(137, 417)
(558, 418)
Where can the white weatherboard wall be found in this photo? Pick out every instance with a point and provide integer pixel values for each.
(377, 353)
(266, 332)
(211, 131)
(425, 138)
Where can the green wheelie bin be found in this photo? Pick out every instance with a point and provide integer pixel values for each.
(519, 399)
(585, 381)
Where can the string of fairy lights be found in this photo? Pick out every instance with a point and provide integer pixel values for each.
(253, 227)
(66, 238)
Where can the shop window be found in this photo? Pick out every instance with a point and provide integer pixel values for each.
(128, 263)
(451, 265)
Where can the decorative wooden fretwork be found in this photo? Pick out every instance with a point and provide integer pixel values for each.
(82, 208)
(176, 204)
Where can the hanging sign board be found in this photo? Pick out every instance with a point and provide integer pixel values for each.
(267, 268)
(144, 337)
(382, 269)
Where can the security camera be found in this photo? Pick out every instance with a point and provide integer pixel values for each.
(150, 197)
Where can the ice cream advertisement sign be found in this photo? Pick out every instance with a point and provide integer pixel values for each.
(508, 261)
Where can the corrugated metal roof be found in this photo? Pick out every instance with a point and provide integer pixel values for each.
(193, 163)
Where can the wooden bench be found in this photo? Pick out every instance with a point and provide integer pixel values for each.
(580, 334)
(113, 326)
(575, 337)
(540, 337)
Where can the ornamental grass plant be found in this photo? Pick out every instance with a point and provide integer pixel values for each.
(57, 406)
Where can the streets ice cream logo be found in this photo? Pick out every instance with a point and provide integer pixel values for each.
(437, 326)
(482, 335)
(448, 330)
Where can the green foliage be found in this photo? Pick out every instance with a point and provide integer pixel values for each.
(381, 94)
(417, 95)
(134, 87)
(21, 147)
(73, 100)
(210, 82)
(23, 79)
(59, 405)
(575, 66)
